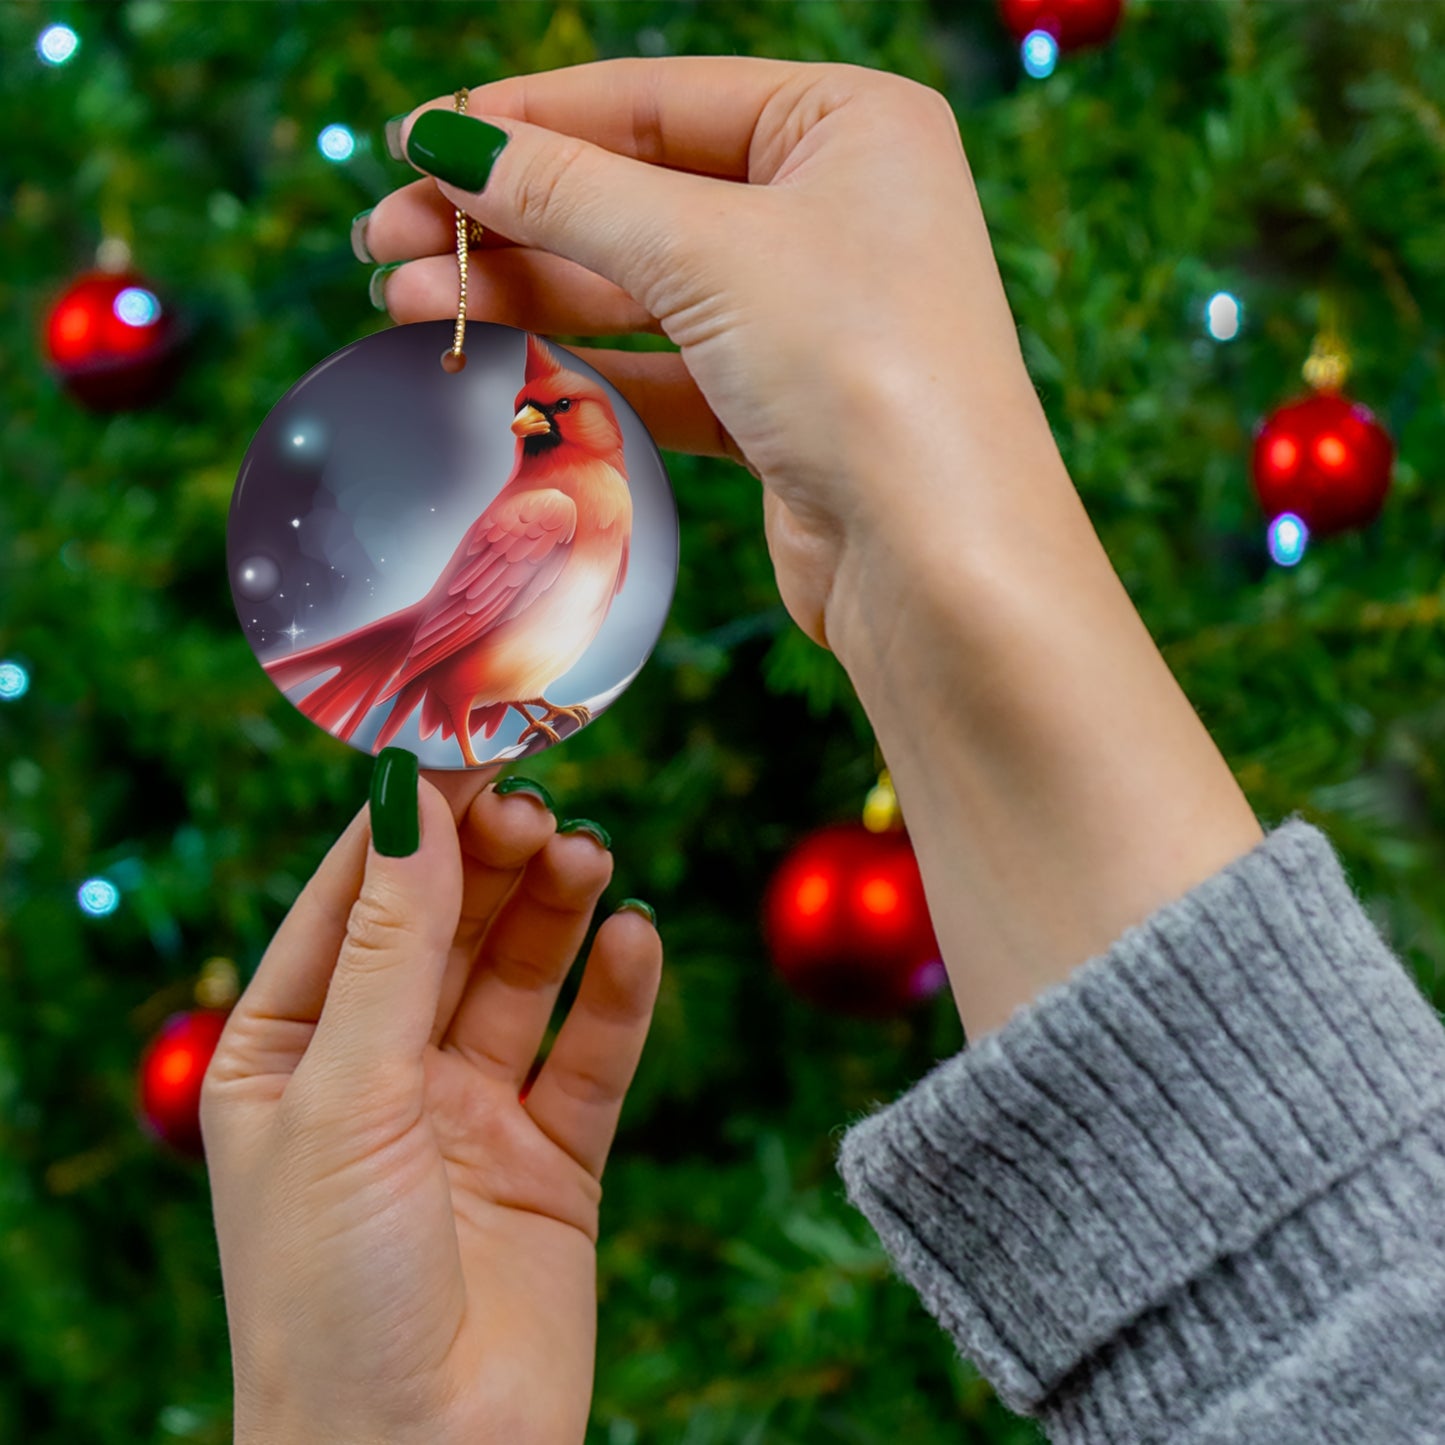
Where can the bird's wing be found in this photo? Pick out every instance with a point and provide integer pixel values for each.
(512, 554)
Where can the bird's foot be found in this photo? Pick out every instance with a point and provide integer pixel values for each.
(576, 711)
(535, 725)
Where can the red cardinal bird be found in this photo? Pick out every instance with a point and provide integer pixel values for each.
(523, 596)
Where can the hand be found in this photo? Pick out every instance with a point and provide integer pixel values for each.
(842, 326)
(408, 1248)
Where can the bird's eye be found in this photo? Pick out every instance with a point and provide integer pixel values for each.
(564, 405)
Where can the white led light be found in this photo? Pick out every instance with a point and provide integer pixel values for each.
(1040, 52)
(14, 681)
(336, 143)
(57, 44)
(98, 897)
(136, 306)
(1288, 537)
(1223, 316)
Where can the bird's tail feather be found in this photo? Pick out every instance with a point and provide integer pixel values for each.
(368, 659)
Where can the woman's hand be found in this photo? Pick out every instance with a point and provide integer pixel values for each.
(842, 326)
(407, 1246)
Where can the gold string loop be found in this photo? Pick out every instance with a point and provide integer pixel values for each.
(467, 230)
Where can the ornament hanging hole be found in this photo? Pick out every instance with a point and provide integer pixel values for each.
(453, 361)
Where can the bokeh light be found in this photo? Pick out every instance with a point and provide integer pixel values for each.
(98, 897)
(336, 143)
(1040, 52)
(57, 44)
(1288, 537)
(14, 681)
(137, 307)
(1223, 316)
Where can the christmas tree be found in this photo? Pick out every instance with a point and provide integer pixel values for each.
(1179, 214)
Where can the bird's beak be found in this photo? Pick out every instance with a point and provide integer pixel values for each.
(529, 422)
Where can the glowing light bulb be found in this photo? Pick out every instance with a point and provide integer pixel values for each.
(1288, 537)
(1223, 316)
(336, 143)
(14, 681)
(57, 44)
(1040, 53)
(98, 897)
(136, 306)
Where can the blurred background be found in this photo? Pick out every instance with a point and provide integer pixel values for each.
(1194, 203)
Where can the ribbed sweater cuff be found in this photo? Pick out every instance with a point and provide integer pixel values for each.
(1149, 1162)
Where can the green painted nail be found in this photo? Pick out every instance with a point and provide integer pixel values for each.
(393, 136)
(636, 905)
(376, 288)
(528, 786)
(359, 248)
(395, 821)
(455, 148)
(586, 825)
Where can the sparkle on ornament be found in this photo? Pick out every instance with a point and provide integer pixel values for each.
(1288, 537)
(98, 897)
(296, 522)
(136, 306)
(1331, 451)
(293, 632)
(14, 681)
(1283, 454)
(879, 897)
(812, 894)
(1223, 316)
(336, 143)
(1040, 52)
(57, 44)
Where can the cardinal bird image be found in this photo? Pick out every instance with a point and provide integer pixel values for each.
(521, 599)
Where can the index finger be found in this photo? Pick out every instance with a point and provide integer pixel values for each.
(695, 113)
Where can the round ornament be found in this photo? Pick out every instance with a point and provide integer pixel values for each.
(847, 924)
(468, 560)
(172, 1070)
(1325, 459)
(112, 341)
(1072, 23)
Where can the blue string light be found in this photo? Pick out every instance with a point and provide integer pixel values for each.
(1288, 538)
(336, 143)
(136, 306)
(14, 681)
(1040, 52)
(98, 897)
(57, 44)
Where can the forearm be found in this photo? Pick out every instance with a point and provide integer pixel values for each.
(1056, 782)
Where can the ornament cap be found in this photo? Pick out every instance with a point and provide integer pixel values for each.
(218, 985)
(881, 813)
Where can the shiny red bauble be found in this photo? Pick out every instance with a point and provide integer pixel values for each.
(847, 924)
(1073, 23)
(171, 1072)
(1324, 458)
(112, 341)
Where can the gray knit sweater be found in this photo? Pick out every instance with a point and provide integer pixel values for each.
(1197, 1191)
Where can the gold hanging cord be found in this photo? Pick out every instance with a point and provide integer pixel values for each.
(467, 230)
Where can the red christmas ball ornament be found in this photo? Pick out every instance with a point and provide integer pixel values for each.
(1073, 23)
(847, 924)
(1326, 459)
(112, 341)
(171, 1071)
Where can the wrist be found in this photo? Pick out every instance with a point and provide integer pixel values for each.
(1056, 782)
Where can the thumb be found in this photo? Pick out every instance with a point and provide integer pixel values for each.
(628, 221)
(382, 1000)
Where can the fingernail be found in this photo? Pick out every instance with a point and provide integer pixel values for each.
(636, 905)
(586, 825)
(359, 248)
(455, 148)
(376, 287)
(395, 820)
(526, 785)
(393, 136)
